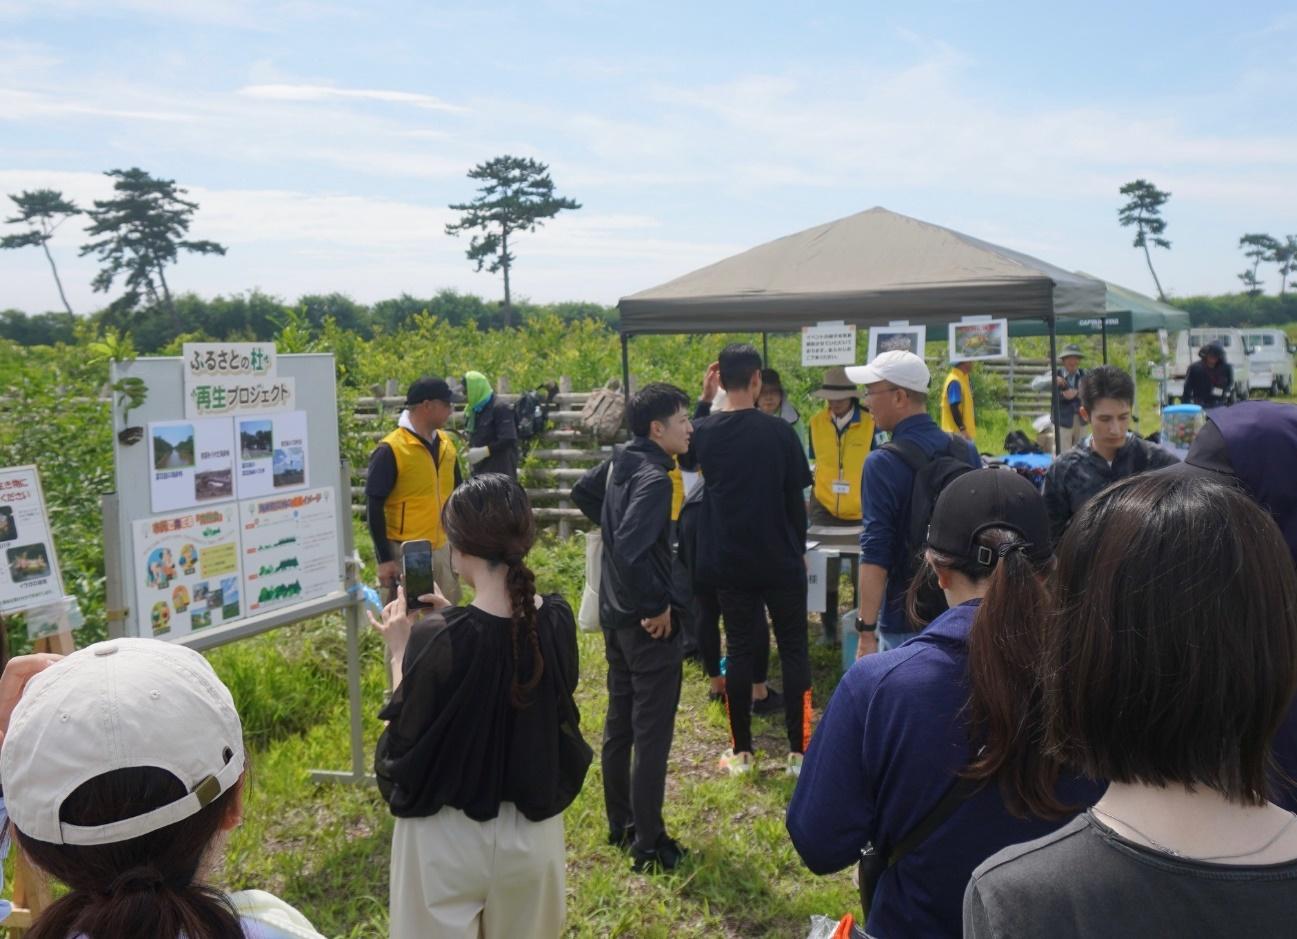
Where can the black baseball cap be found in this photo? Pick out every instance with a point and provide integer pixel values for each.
(989, 498)
(429, 389)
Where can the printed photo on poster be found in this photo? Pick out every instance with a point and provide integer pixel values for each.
(290, 549)
(29, 570)
(191, 463)
(188, 571)
(272, 454)
(899, 338)
(982, 340)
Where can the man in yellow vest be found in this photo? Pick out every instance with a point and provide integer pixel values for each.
(841, 436)
(957, 402)
(412, 472)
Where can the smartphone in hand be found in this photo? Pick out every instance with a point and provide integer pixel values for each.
(416, 568)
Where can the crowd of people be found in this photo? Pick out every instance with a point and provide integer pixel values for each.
(1071, 712)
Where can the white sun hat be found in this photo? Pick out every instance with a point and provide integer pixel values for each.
(115, 705)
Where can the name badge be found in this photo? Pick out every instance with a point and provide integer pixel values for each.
(842, 488)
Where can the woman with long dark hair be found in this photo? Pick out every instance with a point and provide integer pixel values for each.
(123, 770)
(1168, 665)
(483, 750)
(928, 757)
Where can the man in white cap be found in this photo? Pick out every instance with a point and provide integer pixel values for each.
(896, 394)
(1067, 382)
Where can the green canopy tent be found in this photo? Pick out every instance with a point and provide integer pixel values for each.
(1127, 312)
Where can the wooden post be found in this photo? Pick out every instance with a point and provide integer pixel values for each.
(564, 526)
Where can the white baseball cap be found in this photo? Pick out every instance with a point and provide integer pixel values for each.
(115, 705)
(903, 369)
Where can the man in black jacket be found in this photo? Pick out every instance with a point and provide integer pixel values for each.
(640, 614)
(1210, 380)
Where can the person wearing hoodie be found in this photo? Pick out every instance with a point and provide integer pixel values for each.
(492, 431)
(1209, 380)
(1252, 446)
(412, 473)
(640, 612)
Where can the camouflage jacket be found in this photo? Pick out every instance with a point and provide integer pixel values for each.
(1080, 474)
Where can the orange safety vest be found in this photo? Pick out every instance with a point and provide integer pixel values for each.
(413, 507)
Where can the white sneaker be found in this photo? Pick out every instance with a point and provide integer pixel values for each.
(736, 764)
(794, 767)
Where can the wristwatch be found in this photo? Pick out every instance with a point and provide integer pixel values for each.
(865, 627)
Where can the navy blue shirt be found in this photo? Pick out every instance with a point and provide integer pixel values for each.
(885, 510)
(889, 746)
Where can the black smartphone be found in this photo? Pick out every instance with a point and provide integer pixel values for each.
(416, 576)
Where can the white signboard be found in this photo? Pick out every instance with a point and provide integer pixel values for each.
(30, 574)
(896, 337)
(225, 378)
(829, 344)
(191, 463)
(290, 548)
(977, 338)
(271, 451)
(189, 572)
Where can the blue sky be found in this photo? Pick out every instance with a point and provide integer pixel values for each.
(325, 140)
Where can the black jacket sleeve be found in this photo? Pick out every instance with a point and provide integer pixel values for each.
(957, 412)
(647, 514)
(589, 491)
(379, 482)
(1057, 505)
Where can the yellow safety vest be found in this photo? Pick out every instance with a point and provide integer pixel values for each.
(413, 507)
(839, 461)
(965, 404)
(677, 491)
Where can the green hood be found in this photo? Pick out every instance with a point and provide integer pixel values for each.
(478, 392)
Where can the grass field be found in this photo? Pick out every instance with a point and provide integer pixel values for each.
(324, 848)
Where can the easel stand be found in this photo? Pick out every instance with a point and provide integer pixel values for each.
(31, 889)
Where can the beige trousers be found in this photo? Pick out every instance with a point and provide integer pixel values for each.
(442, 572)
(1068, 437)
(454, 878)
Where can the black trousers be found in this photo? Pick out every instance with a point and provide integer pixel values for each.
(643, 692)
(705, 621)
(745, 621)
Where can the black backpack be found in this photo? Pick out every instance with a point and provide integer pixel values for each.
(1017, 442)
(531, 416)
(931, 475)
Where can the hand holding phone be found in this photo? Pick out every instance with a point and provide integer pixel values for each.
(416, 577)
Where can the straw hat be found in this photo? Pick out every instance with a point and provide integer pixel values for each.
(837, 385)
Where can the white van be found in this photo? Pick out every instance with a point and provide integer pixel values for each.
(1185, 353)
(1270, 360)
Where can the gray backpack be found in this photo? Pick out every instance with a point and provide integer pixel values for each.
(604, 411)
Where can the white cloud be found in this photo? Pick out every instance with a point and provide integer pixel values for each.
(285, 92)
(18, 105)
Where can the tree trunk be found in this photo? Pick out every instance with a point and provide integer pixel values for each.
(166, 299)
(59, 283)
(1147, 257)
(504, 254)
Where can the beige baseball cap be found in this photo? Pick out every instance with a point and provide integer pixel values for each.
(903, 369)
(116, 705)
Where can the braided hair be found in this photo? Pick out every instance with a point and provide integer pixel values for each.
(490, 517)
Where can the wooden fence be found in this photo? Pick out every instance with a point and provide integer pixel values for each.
(557, 459)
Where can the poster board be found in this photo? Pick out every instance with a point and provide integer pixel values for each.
(189, 565)
(29, 567)
(829, 344)
(896, 337)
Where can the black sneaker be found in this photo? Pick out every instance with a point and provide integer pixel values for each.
(772, 703)
(622, 838)
(665, 856)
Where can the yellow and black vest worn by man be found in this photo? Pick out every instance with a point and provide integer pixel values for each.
(841, 436)
(412, 473)
(957, 415)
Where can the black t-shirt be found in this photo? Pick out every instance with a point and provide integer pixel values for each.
(1086, 880)
(752, 530)
(454, 736)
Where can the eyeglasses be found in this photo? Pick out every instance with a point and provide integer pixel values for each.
(874, 391)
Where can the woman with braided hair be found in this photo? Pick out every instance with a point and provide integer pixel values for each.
(482, 751)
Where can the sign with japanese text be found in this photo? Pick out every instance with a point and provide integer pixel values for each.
(829, 344)
(29, 576)
(189, 572)
(227, 378)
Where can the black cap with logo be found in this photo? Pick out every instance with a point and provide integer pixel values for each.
(429, 389)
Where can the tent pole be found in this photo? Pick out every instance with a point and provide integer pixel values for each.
(625, 365)
(1103, 334)
(1053, 370)
(1134, 375)
(765, 350)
